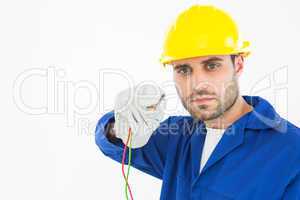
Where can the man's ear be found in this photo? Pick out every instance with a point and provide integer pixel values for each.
(239, 64)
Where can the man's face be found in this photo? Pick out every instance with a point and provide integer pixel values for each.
(207, 86)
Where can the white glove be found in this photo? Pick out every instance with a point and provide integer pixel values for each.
(141, 108)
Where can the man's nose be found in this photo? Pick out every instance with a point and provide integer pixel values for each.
(199, 82)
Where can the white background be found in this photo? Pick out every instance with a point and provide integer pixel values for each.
(50, 153)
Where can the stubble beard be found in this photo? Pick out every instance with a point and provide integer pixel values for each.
(203, 112)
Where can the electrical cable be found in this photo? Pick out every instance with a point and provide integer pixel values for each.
(127, 186)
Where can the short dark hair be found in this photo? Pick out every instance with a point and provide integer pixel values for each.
(232, 58)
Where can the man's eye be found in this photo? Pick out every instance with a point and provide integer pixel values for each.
(184, 71)
(212, 66)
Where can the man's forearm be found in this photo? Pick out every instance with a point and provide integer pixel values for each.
(110, 133)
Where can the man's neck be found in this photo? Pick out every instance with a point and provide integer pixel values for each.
(240, 108)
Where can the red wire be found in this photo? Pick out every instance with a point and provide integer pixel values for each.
(123, 163)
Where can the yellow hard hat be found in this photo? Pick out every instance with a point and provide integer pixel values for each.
(202, 30)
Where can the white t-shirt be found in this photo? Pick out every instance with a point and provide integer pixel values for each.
(213, 136)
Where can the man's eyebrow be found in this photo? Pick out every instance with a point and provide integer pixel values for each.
(211, 60)
(181, 65)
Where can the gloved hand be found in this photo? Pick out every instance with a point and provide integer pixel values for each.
(141, 108)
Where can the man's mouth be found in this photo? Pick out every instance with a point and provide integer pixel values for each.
(202, 100)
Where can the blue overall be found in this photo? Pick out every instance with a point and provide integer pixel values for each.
(258, 157)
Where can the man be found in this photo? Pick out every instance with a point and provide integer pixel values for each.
(232, 146)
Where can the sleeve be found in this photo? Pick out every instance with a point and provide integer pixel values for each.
(292, 191)
(150, 158)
